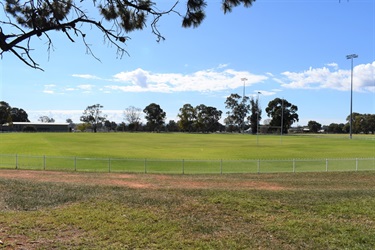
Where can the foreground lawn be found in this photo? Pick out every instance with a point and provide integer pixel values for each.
(266, 211)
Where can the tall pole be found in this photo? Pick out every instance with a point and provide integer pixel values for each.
(258, 116)
(351, 57)
(282, 120)
(243, 103)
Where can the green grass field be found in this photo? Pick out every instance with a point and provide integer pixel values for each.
(185, 153)
(187, 146)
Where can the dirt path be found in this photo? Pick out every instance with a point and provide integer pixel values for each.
(151, 181)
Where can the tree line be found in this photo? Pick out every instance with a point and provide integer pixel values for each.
(243, 115)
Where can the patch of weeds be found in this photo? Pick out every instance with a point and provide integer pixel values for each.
(28, 195)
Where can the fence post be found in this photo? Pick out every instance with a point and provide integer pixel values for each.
(183, 166)
(16, 161)
(326, 165)
(75, 163)
(294, 165)
(221, 166)
(109, 165)
(145, 166)
(44, 162)
(258, 166)
(356, 164)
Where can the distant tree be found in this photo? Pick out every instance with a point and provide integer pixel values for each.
(368, 124)
(46, 119)
(71, 124)
(121, 127)
(187, 117)
(256, 115)
(82, 127)
(314, 126)
(336, 128)
(208, 118)
(155, 117)
(10, 114)
(201, 118)
(23, 21)
(172, 126)
(5, 115)
(281, 110)
(355, 123)
(230, 125)
(19, 115)
(93, 116)
(238, 110)
(110, 125)
(133, 116)
(362, 123)
(113, 126)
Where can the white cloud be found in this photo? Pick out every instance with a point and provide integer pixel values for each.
(223, 65)
(54, 89)
(217, 79)
(86, 88)
(49, 89)
(267, 93)
(364, 77)
(138, 77)
(86, 76)
(325, 78)
(333, 65)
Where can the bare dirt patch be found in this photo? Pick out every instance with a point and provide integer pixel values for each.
(144, 181)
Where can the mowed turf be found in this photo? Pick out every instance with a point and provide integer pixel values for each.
(187, 146)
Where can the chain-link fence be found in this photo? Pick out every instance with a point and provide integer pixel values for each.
(182, 166)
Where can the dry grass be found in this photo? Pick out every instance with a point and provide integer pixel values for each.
(47, 210)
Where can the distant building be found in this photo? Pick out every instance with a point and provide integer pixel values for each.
(36, 127)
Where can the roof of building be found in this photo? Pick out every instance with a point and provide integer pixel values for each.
(38, 123)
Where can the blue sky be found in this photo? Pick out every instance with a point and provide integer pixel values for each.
(293, 49)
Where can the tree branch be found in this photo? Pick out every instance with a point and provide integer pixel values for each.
(30, 18)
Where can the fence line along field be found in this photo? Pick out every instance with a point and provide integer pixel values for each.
(182, 166)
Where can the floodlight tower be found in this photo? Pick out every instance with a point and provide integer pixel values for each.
(258, 115)
(243, 103)
(351, 57)
(244, 81)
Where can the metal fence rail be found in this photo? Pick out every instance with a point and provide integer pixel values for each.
(182, 166)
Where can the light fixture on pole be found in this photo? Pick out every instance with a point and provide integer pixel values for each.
(243, 103)
(351, 57)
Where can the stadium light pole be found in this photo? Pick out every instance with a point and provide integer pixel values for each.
(258, 116)
(351, 57)
(243, 103)
(282, 120)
